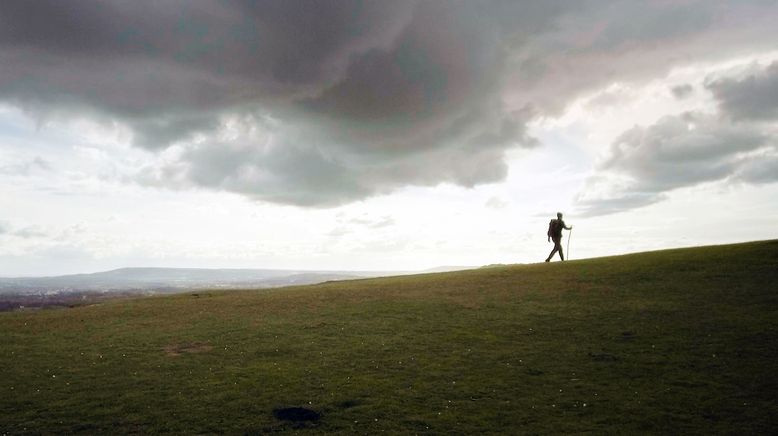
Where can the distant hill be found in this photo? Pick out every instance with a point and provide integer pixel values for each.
(78, 289)
(171, 279)
(447, 269)
(667, 342)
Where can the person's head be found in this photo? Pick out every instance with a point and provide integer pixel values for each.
(559, 215)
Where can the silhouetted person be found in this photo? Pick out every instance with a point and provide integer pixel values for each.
(555, 232)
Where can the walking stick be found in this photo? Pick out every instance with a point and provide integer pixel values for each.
(569, 237)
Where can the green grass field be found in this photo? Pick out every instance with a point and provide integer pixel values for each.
(669, 342)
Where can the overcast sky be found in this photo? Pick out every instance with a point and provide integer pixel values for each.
(385, 135)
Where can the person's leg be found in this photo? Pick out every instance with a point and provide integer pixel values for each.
(558, 247)
(553, 251)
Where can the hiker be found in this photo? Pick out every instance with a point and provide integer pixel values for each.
(555, 232)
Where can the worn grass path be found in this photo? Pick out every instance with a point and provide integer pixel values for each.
(679, 341)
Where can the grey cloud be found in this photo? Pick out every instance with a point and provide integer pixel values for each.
(278, 42)
(678, 151)
(642, 22)
(348, 225)
(30, 232)
(182, 61)
(685, 150)
(588, 207)
(760, 169)
(368, 96)
(340, 101)
(386, 221)
(681, 151)
(311, 173)
(620, 41)
(157, 132)
(373, 223)
(27, 167)
(27, 232)
(496, 203)
(281, 173)
(752, 97)
(418, 112)
(682, 91)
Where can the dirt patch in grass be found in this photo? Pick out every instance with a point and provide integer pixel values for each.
(347, 404)
(178, 349)
(603, 357)
(296, 414)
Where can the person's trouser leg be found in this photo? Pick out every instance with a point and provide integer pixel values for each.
(557, 247)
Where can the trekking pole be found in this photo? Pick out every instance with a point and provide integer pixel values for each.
(569, 237)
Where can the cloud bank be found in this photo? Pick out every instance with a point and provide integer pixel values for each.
(753, 97)
(318, 104)
(738, 144)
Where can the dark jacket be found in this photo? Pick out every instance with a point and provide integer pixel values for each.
(555, 227)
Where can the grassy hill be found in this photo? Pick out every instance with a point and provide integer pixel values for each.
(678, 341)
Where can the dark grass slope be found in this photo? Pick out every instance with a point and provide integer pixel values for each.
(679, 342)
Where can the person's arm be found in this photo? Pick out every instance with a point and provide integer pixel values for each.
(565, 226)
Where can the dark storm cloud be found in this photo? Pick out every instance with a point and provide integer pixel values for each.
(753, 97)
(645, 163)
(595, 44)
(322, 103)
(168, 69)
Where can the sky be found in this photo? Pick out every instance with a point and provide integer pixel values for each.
(377, 135)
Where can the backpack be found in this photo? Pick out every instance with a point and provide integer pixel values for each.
(554, 228)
